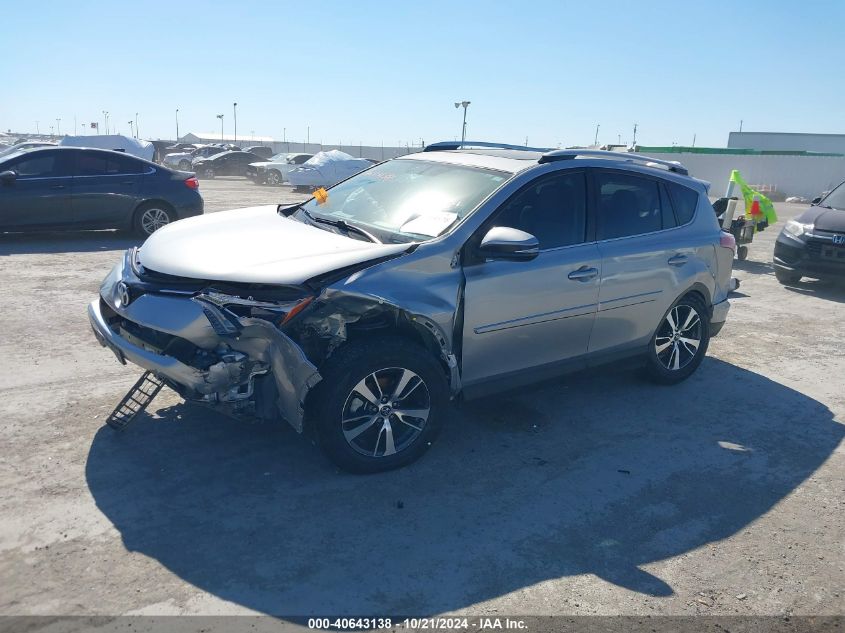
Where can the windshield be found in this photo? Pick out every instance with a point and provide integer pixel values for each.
(836, 198)
(408, 199)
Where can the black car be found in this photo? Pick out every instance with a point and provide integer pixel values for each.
(225, 164)
(813, 244)
(80, 188)
(260, 150)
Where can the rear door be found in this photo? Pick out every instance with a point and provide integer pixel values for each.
(40, 195)
(521, 315)
(640, 258)
(106, 187)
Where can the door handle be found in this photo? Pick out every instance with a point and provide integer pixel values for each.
(678, 260)
(585, 273)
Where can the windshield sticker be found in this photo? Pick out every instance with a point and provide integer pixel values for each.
(321, 195)
(429, 224)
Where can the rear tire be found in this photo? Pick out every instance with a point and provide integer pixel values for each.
(380, 405)
(787, 277)
(208, 172)
(152, 216)
(680, 342)
(273, 178)
(742, 253)
(185, 165)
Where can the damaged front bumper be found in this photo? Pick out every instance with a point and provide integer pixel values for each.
(181, 340)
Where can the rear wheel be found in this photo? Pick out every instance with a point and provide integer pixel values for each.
(787, 277)
(208, 172)
(380, 404)
(742, 253)
(680, 342)
(150, 217)
(273, 178)
(184, 165)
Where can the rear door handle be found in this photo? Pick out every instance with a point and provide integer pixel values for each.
(678, 260)
(585, 273)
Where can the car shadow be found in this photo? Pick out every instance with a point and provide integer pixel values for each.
(751, 266)
(823, 289)
(65, 242)
(600, 474)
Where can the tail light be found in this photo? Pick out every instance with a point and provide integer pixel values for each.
(192, 183)
(726, 240)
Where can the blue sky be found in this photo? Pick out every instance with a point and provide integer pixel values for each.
(390, 71)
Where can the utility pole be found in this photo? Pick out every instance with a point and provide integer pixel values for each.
(220, 116)
(693, 140)
(58, 128)
(308, 136)
(177, 125)
(131, 133)
(634, 142)
(740, 125)
(235, 111)
(596, 139)
(137, 133)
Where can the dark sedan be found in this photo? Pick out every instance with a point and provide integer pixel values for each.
(225, 164)
(79, 188)
(813, 244)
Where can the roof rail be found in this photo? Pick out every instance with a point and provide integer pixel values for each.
(451, 145)
(628, 157)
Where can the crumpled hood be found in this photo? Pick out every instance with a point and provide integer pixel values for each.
(254, 245)
(824, 219)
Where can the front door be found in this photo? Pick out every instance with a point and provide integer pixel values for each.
(40, 193)
(522, 315)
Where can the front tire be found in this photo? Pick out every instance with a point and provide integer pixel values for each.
(273, 178)
(185, 165)
(680, 342)
(380, 405)
(152, 216)
(787, 277)
(208, 172)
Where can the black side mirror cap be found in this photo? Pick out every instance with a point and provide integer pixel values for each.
(504, 242)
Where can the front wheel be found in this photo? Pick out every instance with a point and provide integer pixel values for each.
(185, 165)
(680, 342)
(787, 277)
(208, 172)
(380, 404)
(273, 178)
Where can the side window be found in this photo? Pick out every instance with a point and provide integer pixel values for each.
(299, 160)
(91, 164)
(627, 205)
(553, 209)
(37, 167)
(685, 200)
(121, 165)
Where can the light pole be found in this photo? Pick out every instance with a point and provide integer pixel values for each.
(131, 133)
(58, 128)
(220, 116)
(308, 136)
(596, 139)
(465, 104)
(235, 109)
(137, 133)
(634, 142)
(37, 131)
(106, 120)
(177, 125)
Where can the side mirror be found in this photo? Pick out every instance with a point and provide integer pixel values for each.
(8, 177)
(504, 242)
(816, 200)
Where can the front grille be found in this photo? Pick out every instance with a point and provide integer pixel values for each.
(819, 250)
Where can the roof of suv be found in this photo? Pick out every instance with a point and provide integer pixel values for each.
(514, 159)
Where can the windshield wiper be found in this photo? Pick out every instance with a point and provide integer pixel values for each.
(344, 225)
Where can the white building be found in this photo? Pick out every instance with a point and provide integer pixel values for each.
(788, 141)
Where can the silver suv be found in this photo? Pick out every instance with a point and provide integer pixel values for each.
(454, 272)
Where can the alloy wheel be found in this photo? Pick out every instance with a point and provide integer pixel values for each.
(273, 178)
(153, 219)
(385, 412)
(679, 337)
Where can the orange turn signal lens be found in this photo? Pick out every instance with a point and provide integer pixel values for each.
(299, 307)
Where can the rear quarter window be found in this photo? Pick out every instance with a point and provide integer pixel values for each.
(684, 201)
